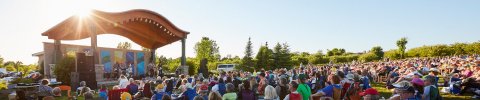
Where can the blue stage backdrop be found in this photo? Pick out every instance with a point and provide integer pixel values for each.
(130, 60)
(140, 63)
(106, 61)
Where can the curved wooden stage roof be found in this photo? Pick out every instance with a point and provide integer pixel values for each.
(146, 28)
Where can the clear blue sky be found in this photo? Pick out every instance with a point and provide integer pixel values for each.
(307, 25)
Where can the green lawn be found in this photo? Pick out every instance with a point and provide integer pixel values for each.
(384, 92)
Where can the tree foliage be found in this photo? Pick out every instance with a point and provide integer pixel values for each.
(343, 58)
(281, 56)
(1, 61)
(63, 68)
(378, 51)
(392, 54)
(193, 66)
(161, 61)
(336, 52)
(263, 57)
(3, 84)
(124, 45)
(171, 64)
(401, 44)
(25, 69)
(206, 49)
(10, 67)
(445, 50)
(300, 58)
(318, 58)
(247, 62)
(367, 57)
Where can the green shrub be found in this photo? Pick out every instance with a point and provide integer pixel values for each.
(392, 54)
(63, 69)
(192, 66)
(3, 84)
(368, 57)
(343, 59)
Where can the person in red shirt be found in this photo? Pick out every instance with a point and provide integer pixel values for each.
(294, 95)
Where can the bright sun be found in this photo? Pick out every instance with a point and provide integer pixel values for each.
(84, 13)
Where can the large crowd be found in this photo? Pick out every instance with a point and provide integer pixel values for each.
(408, 79)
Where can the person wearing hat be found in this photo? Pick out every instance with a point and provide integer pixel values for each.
(303, 88)
(430, 91)
(125, 96)
(405, 91)
(159, 91)
(370, 94)
(434, 72)
(348, 78)
(454, 84)
(417, 84)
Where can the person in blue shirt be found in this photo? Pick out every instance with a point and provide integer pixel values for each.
(365, 80)
(455, 82)
(328, 91)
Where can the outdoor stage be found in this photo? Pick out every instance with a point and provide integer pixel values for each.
(146, 28)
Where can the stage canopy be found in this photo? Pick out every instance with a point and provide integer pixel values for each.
(146, 28)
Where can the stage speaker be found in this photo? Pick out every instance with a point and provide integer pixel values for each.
(86, 70)
(74, 83)
(89, 78)
(85, 63)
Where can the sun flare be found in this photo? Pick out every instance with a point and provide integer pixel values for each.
(84, 13)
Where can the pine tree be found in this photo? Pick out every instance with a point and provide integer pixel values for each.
(277, 56)
(287, 56)
(281, 56)
(263, 57)
(247, 60)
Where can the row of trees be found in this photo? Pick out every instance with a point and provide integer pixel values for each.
(445, 50)
(17, 66)
(280, 55)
